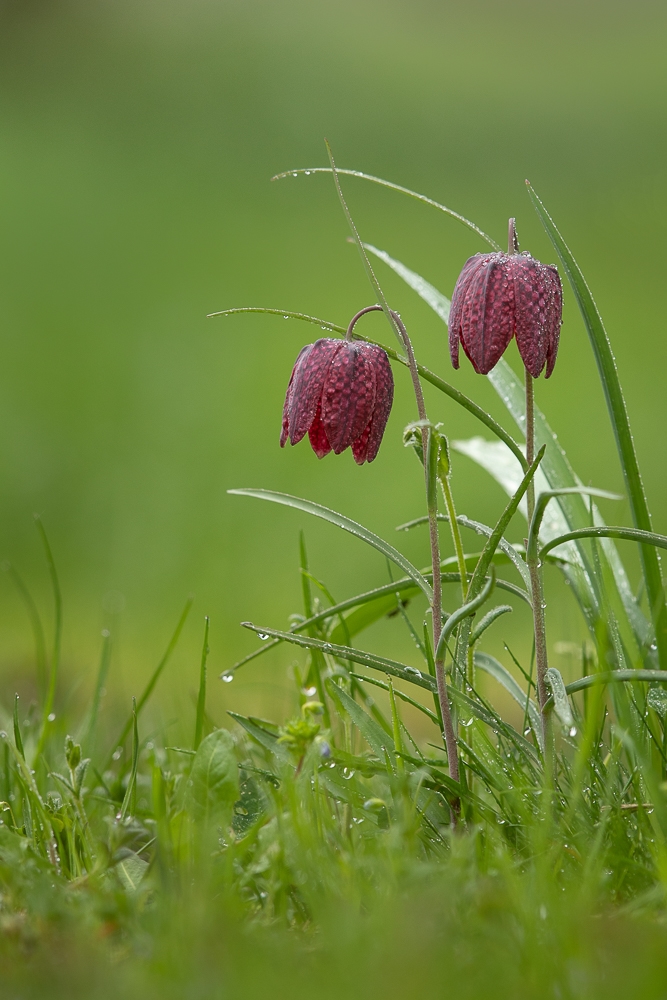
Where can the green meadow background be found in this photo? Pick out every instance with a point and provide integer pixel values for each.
(137, 141)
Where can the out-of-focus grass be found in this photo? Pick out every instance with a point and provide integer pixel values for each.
(136, 144)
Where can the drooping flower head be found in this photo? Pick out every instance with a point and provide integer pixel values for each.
(498, 296)
(340, 394)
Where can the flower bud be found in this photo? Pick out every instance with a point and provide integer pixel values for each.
(340, 394)
(498, 296)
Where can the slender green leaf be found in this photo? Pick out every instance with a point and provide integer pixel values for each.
(489, 618)
(57, 637)
(148, 690)
(611, 531)
(619, 419)
(128, 798)
(541, 506)
(347, 525)
(18, 741)
(201, 698)
(392, 667)
(491, 666)
(559, 695)
(399, 694)
(465, 611)
(394, 187)
(102, 673)
(379, 741)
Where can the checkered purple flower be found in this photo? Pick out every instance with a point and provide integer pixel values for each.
(340, 394)
(499, 296)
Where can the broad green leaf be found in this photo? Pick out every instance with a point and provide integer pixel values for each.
(131, 870)
(347, 525)
(215, 777)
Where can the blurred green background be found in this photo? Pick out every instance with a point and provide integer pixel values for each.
(136, 145)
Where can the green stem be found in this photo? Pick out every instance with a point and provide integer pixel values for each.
(537, 592)
(436, 605)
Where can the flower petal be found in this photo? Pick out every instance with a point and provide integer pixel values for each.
(360, 446)
(384, 397)
(555, 317)
(310, 373)
(456, 310)
(284, 434)
(317, 434)
(487, 318)
(534, 310)
(348, 396)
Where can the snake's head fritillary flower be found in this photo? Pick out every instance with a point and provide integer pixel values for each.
(340, 394)
(499, 296)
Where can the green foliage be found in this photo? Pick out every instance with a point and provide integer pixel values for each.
(336, 815)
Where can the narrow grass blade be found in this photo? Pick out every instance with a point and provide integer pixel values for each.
(494, 669)
(128, 799)
(399, 694)
(57, 637)
(541, 505)
(410, 674)
(36, 624)
(368, 267)
(348, 525)
(102, 673)
(266, 739)
(393, 187)
(373, 605)
(285, 313)
(559, 696)
(201, 698)
(619, 418)
(148, 690)
(616, 676)
(18, 741)
(465, 611)
(379, 741)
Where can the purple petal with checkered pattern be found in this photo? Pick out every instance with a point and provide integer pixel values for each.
(348, 396)
(498, 296)
(310, 372)
(366, 448)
